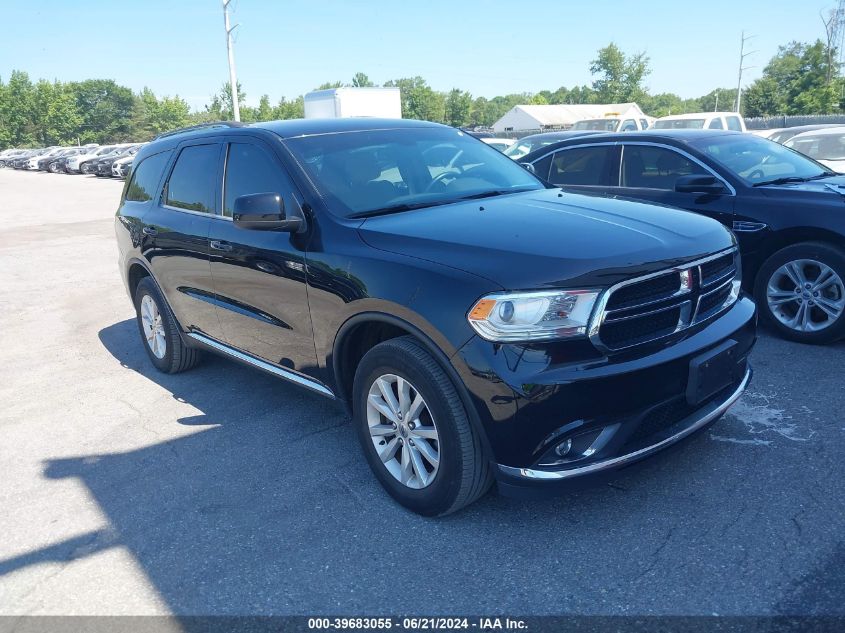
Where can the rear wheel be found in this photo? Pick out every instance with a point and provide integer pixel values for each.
(160, 332)
(800, 291)
(415, 431)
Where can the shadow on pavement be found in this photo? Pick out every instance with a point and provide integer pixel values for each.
(266, 506)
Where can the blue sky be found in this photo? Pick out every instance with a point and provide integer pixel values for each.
(287, 47)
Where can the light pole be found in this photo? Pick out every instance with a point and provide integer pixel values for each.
(742, 56)
(233, 80)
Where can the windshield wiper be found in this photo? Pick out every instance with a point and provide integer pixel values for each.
(493, 193)
(396, 208)
(788, 179)
(409, 206)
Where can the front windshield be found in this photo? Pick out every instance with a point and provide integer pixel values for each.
(522, 148)
(820, 146)
(601, 125)
(373, 171)
(758, 160)
(679, 124)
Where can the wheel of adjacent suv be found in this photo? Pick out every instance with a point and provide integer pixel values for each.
(415, 431)
(160, 332)
(800, 291)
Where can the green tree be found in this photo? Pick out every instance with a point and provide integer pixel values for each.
(265, 110)
(620, 77)
(721, 99)
(63, 120)
(152, 116)
(360, 80)
(223, 102)
(419, 101)
(106, 110)
(16, 110)
(289, 109)
(795, 81)
(458, 107)
(330, 85)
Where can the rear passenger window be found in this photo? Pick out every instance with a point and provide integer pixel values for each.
(193, 181)
(734, 124)
(655, 167)
(715, 124)
(249, 170)
(144, 179)
(581, 166)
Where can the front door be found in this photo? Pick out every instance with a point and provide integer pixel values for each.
(259, 275)
(649, 172)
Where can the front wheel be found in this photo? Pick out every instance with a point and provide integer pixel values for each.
(800, 291)
(415, 431)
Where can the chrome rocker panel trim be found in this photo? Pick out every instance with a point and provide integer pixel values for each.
(713, 411)
(263, 365)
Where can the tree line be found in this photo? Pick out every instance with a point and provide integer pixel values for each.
(802, 78)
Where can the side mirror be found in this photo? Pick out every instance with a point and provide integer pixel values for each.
(529, 167)
(263, 211)
(709, 185)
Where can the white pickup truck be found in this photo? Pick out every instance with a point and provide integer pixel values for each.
(612, 122)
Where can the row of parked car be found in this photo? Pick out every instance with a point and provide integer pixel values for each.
(105, 161)
(822, 142)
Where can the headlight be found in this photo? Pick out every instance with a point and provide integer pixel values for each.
(533, 316)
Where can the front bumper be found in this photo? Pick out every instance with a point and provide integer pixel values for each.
(623, 408)
(514, 481)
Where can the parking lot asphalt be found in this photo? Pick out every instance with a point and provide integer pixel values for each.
(226, 491)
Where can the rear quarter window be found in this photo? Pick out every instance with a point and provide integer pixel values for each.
(142, 184)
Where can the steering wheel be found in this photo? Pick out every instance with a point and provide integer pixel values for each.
(440, 177)
(756, 174)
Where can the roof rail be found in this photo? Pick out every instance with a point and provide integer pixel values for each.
(200, 126)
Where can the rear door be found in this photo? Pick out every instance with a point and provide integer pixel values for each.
(259, 275)
(649, 172)
(175, 234)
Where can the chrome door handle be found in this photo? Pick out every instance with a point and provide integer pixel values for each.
(219, 245)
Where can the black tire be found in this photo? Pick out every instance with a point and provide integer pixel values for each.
(177, 356)
(464, 472)
(821, 252)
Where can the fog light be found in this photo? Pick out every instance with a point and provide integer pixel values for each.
(562, 449)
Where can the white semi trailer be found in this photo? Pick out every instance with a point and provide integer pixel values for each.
(348, 102)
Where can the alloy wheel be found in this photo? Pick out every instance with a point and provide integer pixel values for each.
(151, 322)
(806, 295)
(403, 431)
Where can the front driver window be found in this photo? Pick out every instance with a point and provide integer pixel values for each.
(655, 167)
(249, 170)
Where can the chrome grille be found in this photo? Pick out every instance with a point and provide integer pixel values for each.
(655, 306)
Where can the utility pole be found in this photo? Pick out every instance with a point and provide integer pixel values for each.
(742, 56)
(233, 80)
(716, 107)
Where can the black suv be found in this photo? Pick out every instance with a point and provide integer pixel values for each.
(477, 324)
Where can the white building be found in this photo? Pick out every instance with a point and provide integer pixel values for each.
(561, 117)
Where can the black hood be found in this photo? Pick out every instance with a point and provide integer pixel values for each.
(549, 238)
